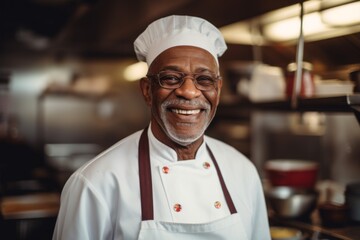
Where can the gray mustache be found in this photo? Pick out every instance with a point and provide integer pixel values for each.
(192, 103)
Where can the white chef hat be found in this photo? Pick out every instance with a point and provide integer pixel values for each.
(174, 31)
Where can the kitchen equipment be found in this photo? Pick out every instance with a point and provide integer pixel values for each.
(333, 87)
(307, 88)
(355, 77)
(289, 202)
(267, 84)
(333, 214)
(29, 216)
(285, 233)
(352, 199)
(292, 172)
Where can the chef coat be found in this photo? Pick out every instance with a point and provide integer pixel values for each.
(101, 200)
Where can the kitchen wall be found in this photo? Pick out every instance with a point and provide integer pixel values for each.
(96, 107)
(100, 108)
(331, 139)
(71, 111)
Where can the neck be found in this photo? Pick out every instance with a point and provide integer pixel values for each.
(183, 152)
(187, 152)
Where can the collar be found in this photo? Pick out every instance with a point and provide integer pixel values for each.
(166, 153)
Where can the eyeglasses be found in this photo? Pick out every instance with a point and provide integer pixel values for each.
(205, 81)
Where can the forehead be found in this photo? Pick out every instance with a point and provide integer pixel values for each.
(186, 58)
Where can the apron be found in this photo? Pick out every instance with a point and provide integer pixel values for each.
(229, 227)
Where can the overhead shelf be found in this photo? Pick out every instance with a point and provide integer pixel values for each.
(345, 103)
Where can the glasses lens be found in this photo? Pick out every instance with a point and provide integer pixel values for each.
(173, 79)
(168, 79)
(205, 81)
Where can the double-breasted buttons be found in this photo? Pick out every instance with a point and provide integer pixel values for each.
(166, 169)
(217, 204)
(177, 207)
(206, 165)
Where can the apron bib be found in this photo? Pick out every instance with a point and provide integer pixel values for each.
(230, 227)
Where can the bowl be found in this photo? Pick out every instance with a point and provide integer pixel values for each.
(292, 173)
(289, 202)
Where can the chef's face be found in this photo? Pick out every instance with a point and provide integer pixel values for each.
(182, 114)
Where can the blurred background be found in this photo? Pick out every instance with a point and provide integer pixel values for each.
(69, 90)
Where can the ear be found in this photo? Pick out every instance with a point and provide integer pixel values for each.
(145, 86)
(220, 83)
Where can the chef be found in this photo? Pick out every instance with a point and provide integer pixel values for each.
(169, 181)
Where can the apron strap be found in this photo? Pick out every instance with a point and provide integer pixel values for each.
(147, 209)
(147, 206)
(227, 196)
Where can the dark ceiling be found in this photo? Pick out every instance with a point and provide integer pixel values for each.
(107, 28)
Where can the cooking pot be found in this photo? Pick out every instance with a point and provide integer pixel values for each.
(292, 173)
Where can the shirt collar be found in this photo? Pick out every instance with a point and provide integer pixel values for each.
(160, 150)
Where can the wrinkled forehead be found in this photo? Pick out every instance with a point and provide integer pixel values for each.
(184, 58)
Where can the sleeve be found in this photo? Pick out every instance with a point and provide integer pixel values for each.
(83, 213)
(260, 221)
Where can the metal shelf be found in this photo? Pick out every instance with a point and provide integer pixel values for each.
(345, 103)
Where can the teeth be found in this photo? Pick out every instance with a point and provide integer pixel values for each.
(185, 112)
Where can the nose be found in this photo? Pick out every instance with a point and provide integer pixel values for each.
(188, 89)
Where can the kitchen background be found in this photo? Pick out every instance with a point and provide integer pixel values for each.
(68, 90)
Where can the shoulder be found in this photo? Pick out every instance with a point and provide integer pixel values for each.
(124, 146)
(116, 165)
(122, 152)
(110, 179)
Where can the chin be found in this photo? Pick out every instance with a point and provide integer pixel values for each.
(181, 139)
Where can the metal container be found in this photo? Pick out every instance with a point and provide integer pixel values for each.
(289, 202)
(355, 77)
(333, 214)
(352, 198)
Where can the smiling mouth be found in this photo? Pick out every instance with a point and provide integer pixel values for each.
(185, 112)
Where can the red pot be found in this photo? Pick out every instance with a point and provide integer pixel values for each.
(292, 173)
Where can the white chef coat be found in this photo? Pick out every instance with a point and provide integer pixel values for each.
(102, 200)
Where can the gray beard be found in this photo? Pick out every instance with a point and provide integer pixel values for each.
(170, 130)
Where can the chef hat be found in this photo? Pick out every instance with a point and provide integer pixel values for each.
(174, 31)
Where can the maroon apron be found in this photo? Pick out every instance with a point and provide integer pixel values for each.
(229, 227)
(147, 207)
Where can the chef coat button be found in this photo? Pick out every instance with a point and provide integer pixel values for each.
(206, 165)
(177, 207)
(165, 169)
(217, 204)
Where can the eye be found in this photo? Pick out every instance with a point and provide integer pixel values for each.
(205, 80)
(170, 78)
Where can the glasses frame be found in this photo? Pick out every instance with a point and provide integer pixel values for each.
(183, 76)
